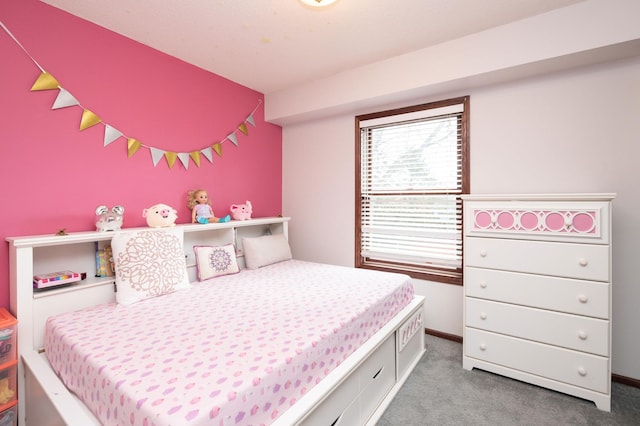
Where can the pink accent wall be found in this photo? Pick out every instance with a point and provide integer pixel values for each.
(53, 175)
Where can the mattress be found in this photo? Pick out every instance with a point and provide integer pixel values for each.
(235, 350)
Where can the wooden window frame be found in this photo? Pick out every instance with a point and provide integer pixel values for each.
(429, 273)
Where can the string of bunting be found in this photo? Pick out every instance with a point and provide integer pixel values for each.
(46, 81)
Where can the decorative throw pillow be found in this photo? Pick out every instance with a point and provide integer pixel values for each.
(265, 250)
(149, 263)
(213, 261)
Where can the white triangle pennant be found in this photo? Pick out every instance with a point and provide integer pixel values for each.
(156, 155)
(110, 134)
(184, 159)
(64, 99)
(250, 120)
(208, 153)
(233, 138)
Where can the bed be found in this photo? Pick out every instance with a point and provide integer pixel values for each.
(281, 342)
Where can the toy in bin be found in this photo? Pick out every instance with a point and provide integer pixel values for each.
(55, 278)
(6, 393)
(7, 336)
(9, 416)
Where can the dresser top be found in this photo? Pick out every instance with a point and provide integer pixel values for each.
(541, 197)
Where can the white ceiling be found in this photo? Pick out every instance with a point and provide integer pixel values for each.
(271, 45)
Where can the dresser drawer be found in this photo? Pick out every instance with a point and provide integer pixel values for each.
(564, 365)
(590, 298)
(585, 261)
(569, 331)
(548, 220)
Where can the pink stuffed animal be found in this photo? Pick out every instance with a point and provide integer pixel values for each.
(241, 211)
(160, 216)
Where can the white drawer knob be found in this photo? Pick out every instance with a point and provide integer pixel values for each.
(483, 284)
(483, 253)
(583, 299)
(582, 335)
(483, 316)
(483, 347)
(583, 261)
(582, 371)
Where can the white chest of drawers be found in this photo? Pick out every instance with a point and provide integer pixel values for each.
(537, 290)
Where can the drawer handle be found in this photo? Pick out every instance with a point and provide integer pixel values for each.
(583, 299)
(483, 316)
(582, 371)
(379, 371)
(335, 422)
(483, 347)
(583, 261)
(483, 284)
(483, 253)
(582, 335)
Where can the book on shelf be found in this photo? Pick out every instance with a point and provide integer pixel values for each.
(104, 261)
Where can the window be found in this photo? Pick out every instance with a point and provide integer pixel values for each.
(412, 167)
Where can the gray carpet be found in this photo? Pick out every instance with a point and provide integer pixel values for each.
(440, 392)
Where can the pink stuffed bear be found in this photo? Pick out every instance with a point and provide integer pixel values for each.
(241, 211)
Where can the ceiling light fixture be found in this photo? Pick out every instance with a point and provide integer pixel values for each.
(318, 3)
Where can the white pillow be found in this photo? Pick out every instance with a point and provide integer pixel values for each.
(265, 250)
(149, 263)
(213, 261)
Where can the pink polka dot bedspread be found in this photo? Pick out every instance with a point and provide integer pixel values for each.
(234, 350)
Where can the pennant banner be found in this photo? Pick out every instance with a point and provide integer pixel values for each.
(110, 134)
(88, 119)
(46, 81)
(217, 148)
(132, 147)
(184, 159)
(156, 155)
(64, 99)
(208, 153)
(195, 156)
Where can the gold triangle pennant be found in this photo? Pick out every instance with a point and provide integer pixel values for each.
(45, 81)
(171, 158)
(132, 146)
(195, 156)
(88, 119)
(243, 129)
(217, 147)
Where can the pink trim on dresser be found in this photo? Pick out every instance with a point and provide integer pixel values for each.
(538, 221)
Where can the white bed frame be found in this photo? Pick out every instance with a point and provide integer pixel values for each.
(356, 392)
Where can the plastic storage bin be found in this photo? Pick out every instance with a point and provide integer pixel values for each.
(7, 336)
(9, 416)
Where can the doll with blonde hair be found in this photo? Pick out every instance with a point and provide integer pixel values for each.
(201, 211)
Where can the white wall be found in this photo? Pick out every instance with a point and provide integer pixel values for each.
(575, 131)
(571, 130)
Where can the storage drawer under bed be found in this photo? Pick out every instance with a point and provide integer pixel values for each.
(360, 392)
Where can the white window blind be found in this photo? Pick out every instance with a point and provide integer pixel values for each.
(411, 179)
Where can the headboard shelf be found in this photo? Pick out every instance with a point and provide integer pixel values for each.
(96, 236)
